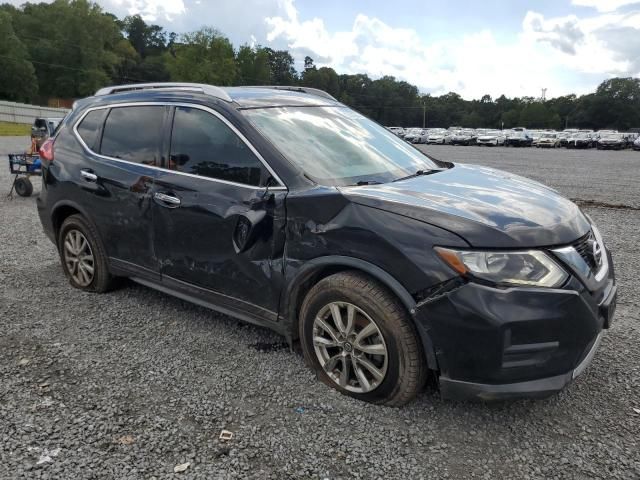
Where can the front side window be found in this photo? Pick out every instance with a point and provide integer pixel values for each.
(202, 144)
(338, 146)
(134, 134)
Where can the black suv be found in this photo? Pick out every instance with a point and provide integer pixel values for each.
(285, 208)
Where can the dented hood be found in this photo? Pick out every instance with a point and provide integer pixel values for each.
(486, 207)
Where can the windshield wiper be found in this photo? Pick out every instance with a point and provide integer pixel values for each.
(420, 173)
(364, 182)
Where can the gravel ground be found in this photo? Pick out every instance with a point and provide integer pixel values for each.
(134, 383)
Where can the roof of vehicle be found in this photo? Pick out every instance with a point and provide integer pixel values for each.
(244, 97)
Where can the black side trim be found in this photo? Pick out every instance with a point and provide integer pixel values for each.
(197, 295)
(123, 268)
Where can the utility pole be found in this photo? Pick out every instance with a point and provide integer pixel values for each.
(424, 114)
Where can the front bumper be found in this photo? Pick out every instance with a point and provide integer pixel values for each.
(543, 387)
(611, 146)
(492, 343)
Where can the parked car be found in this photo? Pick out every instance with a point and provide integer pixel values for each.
(535, 136)
(43, 128)
(636, 144)
(612, 141)
(518, 138)
(396, 130)
(548, 140)
(436, 136)
(416, 135)
(282, 207)
(462, 137)
(580, 140)
(492, 137)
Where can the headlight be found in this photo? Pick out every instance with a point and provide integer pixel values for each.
(531, 267)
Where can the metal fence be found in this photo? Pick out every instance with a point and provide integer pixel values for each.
(26, 114)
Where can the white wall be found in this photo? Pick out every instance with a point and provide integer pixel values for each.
(26, 114)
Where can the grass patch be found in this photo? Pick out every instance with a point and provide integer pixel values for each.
(8, 129)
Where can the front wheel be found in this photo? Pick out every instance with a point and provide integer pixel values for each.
(360, 341)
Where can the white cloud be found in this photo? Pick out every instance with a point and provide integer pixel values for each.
(563, 54)
(151, 10)
(604, 5)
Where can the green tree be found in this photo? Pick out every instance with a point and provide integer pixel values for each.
(282, 67)
(324, 78)
(17, 76)
(145, 39)
(204, 56)
(253, 66)
(71, 44)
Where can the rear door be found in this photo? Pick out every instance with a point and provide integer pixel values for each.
(124, 144)
(219, 215)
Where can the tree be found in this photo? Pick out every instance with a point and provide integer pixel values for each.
(253, 66)
(145, 39)
(308, 63)
(71, 44)
(282, 70)
(324, 78)
(204, 56)
(17, 76)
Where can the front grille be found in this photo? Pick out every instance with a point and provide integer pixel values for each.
(584, 246)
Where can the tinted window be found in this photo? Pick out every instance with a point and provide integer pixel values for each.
(202, 144)
(134, 134)
(89, 128)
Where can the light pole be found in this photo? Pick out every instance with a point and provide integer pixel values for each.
(424, 114)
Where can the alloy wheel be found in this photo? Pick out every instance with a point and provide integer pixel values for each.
(350, 347)
(78, 257)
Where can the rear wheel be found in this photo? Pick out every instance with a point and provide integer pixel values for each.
(83, 257)
(359, 339)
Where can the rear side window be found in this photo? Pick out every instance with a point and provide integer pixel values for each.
(134, 134)
(89, 128)
(202, 144)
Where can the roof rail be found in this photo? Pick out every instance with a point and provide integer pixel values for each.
(293, 88)
(189, 87)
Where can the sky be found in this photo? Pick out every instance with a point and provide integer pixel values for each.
(510, 47)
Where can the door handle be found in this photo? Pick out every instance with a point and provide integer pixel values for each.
(89, 175)
(168, 200)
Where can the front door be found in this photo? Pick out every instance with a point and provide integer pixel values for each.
(218, 227)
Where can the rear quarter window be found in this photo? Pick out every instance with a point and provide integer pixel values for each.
(89, 128)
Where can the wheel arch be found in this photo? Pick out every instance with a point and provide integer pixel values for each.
(64, 209)
(318, 268)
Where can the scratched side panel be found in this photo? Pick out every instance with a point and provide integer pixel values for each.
(321, 222)
(195, 241)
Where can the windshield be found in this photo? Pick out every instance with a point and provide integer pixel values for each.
(337, 146)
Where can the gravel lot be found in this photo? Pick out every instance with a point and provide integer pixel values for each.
(133, 383)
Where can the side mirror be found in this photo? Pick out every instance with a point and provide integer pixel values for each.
(247, 229)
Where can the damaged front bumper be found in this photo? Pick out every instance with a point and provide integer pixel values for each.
(496, 344)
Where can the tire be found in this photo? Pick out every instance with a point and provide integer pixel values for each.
(403, 365)
(24, 187)
(71, 233)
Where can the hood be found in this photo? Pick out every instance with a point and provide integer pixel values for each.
(487, 207)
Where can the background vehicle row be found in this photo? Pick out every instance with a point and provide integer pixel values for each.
(521, 137)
